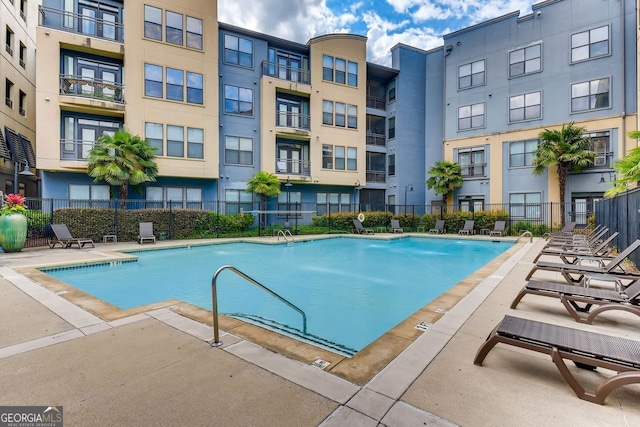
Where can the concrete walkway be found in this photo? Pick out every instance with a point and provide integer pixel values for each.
(156, 368)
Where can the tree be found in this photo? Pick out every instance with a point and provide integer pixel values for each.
(627, 169)
(122, 159)
(264, 184)
(445, 178)
(566, 149)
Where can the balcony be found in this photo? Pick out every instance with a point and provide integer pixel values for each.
(80, 24)
(293, 120)
(375, 102)
(293, 167)
(376, 176)
(8, 102)
(285, 72)
(91, 88)
(22, 112)
(9, 50)
(75, 150)
(377, 139)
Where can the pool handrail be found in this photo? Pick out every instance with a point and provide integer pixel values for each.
(214, 299)
(286, 234)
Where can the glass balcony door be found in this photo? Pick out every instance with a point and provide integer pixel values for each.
(98, 20)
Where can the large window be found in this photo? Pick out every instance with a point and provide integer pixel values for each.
(88, 192)
(525, 61)
(238, 100)
(327, 112)
(525, 107)
(327, 156)
(152, 22)
(327, 68)
(472, 162)
(177, 197)
(194, 33)
(590, 44)
(174, 28)
(392, 91)
(238, 51)
(352, 116)
(392, 164)
(332, 202)
(195, 143)
(471, 203)
(590, 95)
(195, 84)
(352, 76)
(600, 143)
(175, 84)
(340, 114)
(153, 133)
(352, 158)
(175, 141)
(471, 74)
(238, 150)
(471, 116)
(525, 205)
(339, 70)
(522, 153)
(236, 200)
(346, 115)
(392, 127)
(153, 80)
(339, 157)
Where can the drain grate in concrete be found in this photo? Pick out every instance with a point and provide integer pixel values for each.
(423, 326)
(321, 364)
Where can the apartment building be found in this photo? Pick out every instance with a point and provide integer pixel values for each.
(152, 70)
(18, 20)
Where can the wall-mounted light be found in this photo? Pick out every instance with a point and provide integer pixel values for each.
(612, 177)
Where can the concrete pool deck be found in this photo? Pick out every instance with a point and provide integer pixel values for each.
(155, 367)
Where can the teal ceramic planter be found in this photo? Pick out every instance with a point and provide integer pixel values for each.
(13, 232)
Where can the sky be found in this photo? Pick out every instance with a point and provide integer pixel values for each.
(385, 23)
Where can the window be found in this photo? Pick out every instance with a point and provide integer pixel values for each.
(175, 141)
(88, 192)
(352, 77)
(327, 112)
(238, 51)
(471, 116)
(525, 61)
(238, 100)
(152, 22)
(392, 91)
(23, 9)
(392, 164)
(194, 33)
(9, 41)
(175, 196)
(525, 107)
(352, 158)
(590, 95)
(471, 161)
(332, 202)
(22, 103)
(23, 55)
(238, 151)
(392, 127)
(8, 86)
(470, 75)
(174, 28)
(471, 203)
(194, 198)
(153, 135)
(339, 159)
(236, 200)
(341, 71)
(327, 68)
(590, 44)
(194, 88)
(327, 156)
(175, 84)
(195, 143)
(525, 205)
(340, 114)
(600, 144)
(290, 201)
(352, 116)
(153, 80)
(522, 153)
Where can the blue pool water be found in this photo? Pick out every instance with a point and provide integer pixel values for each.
(352, 290)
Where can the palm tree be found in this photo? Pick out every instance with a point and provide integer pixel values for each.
(122, 159)
(445, 178)
(566, 149)
(266, 185)
(627, 168)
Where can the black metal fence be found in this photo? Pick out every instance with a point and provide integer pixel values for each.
(622, 214)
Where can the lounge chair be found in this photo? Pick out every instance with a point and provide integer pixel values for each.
(146, 233)
(569, 270)
(498, 228)
(439, 228)
(63, 237)
(395, 226)
(566, 230)
(360, 229)
(468, 227)
(570, 296)
(572, 255)
(578, 240)
(585, 349)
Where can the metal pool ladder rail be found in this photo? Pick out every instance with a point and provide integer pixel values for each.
(286, 235)
(214, 298)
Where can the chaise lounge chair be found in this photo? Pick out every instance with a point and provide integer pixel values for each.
(571, 255)
(63, 237)
(360, 229)
(498, 228)
(585, 349)
(468, 227)
(570, 296)
(439, 228)
(578, 240)
(567, 230)
(395, 226)
(568, 271)
(146, 233)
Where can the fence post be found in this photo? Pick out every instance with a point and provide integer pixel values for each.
(170, 220)
(115, 219)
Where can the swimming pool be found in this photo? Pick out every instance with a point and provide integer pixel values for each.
(352, 290)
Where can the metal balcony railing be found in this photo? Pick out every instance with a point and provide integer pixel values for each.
(80, 24)
(293, 120)
(376, 176)
(9, 49)
(286, 72)
(293, 167)
(375, 102)
(75, 150)
(376, 139)
(475, 170)
(22, 64)
(91, 88)
(8, 102)
(22, 111)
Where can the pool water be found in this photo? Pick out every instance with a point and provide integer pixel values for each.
(352, 290)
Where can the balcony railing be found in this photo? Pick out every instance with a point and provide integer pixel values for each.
(22, 112)
(80, 24)
(9, 49)
(285, 72)
(293, 167)
(376, 139)
(376, 176)
(22, 64)
(293, 120)
(91, 88)
(8, 102)
(375, 102)
(476, 170)
(75, 150)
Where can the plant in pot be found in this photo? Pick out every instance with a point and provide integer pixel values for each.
(13, 223)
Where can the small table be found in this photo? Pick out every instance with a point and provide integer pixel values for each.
(382, 229)
(617, 283)
(485, 232)
(110, 238)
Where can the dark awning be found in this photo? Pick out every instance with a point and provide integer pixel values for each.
(5, 152)
(20, 148)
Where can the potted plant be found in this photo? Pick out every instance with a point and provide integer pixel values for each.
(13, 223)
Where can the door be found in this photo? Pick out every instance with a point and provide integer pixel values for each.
(289, 158)
(583, 207)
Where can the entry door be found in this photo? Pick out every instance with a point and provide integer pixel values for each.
(88, 138)
(583, 207)
(290, 155)
(88, 20)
